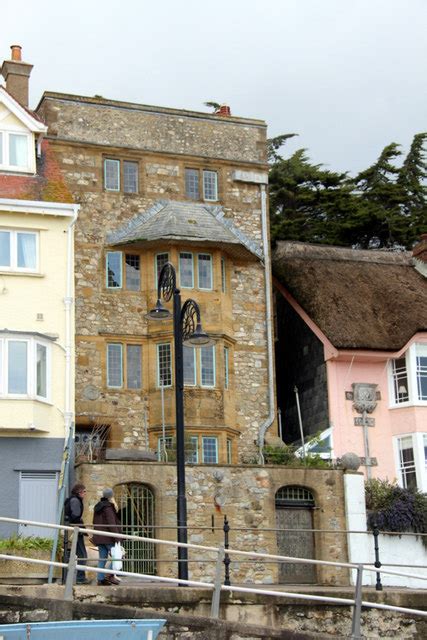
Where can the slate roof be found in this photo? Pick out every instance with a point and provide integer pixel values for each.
(359, 299)
(177, 221)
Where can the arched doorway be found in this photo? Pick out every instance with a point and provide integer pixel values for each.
(294, 513)
(136, 511)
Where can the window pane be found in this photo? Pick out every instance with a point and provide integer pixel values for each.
(164, 445)
(133, 366)
(207, 359)
(17, 375)
(18, 150)
(4, 249)
(229, 451)
(223, 283)
(191, 450)
(164, 365)
(114, 269)
(161, 260)
(407, 463)
(186, 270)
(41, 388)
(112, 175)
(226, 355)
(189, 365)
(27, 248)
(130, 177)
(205, 271)
(210, 450)
(400, 381)
(114, 365)
(210, 189)
(422, 377)
(133, 275)
(192, 184)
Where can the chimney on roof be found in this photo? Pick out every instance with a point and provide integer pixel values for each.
(17, 75)
(224, 111)
(419, 252)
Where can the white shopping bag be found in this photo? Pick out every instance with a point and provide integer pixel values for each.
(117, 553)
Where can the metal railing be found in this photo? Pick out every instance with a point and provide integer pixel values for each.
(72, 566)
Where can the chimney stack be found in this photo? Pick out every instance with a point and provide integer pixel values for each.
(419, 252)
(17, 75)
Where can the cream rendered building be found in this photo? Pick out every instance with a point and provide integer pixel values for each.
(36, 313)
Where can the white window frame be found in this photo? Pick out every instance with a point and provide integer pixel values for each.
(229, 445)
(206, 173)
(211, 271)
(5, 160)
(13, 247)
(418, 444)
(131, 162)
(194, 383)
(186, 286)
(162, 344)
(117, 164)
(416, 349)
(114, 386)
(200, 349)
(194, 441)
(215, 438)
(226, 353)
(129, 346)
(31, 392)
(119, 253)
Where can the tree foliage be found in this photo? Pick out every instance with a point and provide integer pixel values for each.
(384, 206)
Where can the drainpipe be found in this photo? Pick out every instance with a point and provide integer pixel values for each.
(268, 319)
(68, 304)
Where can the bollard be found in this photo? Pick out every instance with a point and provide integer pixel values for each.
(377, 563)
(226, 560)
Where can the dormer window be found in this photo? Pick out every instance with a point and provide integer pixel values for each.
(14, 151)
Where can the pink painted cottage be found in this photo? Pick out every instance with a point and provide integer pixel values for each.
(352, 354)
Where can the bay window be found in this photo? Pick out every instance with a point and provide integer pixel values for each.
(24, 367)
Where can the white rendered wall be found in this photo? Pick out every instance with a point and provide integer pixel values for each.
(407, 550)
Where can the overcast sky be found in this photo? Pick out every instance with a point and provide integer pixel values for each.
(349, 76)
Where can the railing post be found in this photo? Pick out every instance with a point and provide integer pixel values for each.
(357, 609)
(377, 564)
(72, 562)
(216, 595)
(226, 560)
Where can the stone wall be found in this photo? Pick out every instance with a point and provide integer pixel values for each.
(247, 494)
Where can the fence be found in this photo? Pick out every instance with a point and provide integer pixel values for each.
(216, 586)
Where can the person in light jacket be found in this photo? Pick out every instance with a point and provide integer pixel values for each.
(105, 518)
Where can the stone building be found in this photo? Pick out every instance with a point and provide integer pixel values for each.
(156, 185)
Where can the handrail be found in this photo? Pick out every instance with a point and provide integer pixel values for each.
(73, 566)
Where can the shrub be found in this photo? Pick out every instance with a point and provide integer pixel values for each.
(21, 543)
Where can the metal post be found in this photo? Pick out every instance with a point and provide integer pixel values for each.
(366, 440)
(72, 562)
(377, 563)
(180, 451)
(216, 596)
(357, 609)
(227, 560)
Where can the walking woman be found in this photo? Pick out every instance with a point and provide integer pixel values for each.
(105, 518)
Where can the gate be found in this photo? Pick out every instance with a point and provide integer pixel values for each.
(294, 510)
(135, 502)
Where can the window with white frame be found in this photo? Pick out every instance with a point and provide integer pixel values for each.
(186, 270)
(408, 377)
(207, 366)
(411, 460)
(25, 367)
(209, 449)
(15, 149)
(124, 365)
(118, 263)
(229, 451)
(189, 365)
(192, 450)
(210, 185)
(164, 445)
(192, 184)
(160, 261)
(204, 265)
(117, 173)
(226, 367)
(19, 250)
(164, 365)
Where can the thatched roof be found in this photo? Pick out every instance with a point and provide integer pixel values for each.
(359, 299)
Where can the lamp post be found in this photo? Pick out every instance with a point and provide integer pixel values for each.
(186, 328)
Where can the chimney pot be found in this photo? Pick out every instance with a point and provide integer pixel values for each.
(224, 110)
(16, 52)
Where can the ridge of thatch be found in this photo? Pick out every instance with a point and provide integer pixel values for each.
(359, 299)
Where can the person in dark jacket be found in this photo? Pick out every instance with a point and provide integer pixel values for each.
(105, 518)
(73, 509)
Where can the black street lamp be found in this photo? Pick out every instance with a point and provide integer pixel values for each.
(187, 329)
